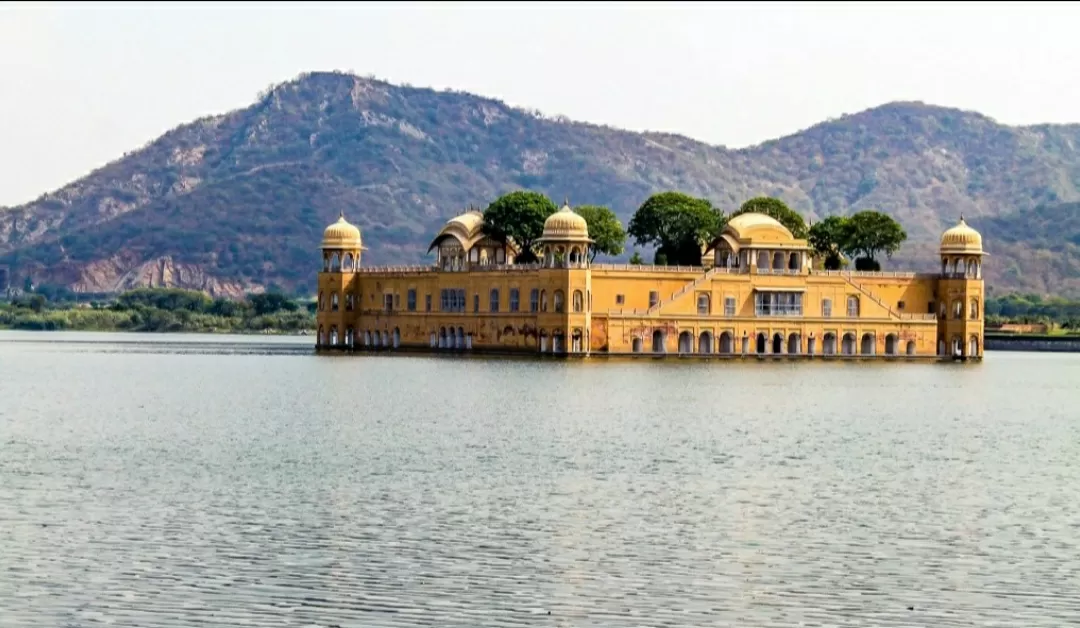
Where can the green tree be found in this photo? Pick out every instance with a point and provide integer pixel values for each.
(607, 232)
(636, 258)
(777, 209)
(868, 233)
(270, 302)
(677, 224)
(827, 238)
(519, 216)
(37, 302)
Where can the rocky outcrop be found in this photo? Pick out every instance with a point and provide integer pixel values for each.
(117, 274)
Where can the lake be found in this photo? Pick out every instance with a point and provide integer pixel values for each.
(172, 480)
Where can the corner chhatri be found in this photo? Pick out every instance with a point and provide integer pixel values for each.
(759, 296)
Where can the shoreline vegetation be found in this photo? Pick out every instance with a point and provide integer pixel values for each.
(166, 310)
(171, 310)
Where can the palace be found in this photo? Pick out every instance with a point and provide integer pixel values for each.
(758, 296)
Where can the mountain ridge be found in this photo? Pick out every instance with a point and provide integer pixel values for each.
(236, 202)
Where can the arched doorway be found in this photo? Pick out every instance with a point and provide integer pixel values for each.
(397, 337)
(778, 343)
(686, 342)
(868, 344)
(973, 347)
(761, 343)
(636, 345)
(794, 344)
(891, 342)
(727, 343)
(848, 345)
(705, 342)
(829, 347)
(658, 341)
(911, 347)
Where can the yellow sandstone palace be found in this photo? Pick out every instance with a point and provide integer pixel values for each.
(759, 296)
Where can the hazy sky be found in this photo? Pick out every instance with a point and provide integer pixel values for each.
(83, 83)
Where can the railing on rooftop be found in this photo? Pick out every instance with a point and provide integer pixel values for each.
(887, 274)
(392, 270)
(647, 267)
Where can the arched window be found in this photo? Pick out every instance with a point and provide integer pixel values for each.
(347, 264)
(335, 263)
(974, 314)
(543, 300)
(334, 305)
(350, 302)
(853, 306)
(560, 298)
(494, 300)
(322, 302)
(703, 304)
(958, 309)
(579, 301)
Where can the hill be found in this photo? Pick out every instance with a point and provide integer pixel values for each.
(237, 202)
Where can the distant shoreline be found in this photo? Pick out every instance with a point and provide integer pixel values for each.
(1041, 343)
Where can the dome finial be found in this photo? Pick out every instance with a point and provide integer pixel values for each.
(566, 201)
(961, 216)
(341, 214)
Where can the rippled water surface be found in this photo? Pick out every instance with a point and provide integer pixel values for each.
(206, 481)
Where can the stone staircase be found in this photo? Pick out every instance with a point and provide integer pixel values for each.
(693, 285)
(893, 314)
